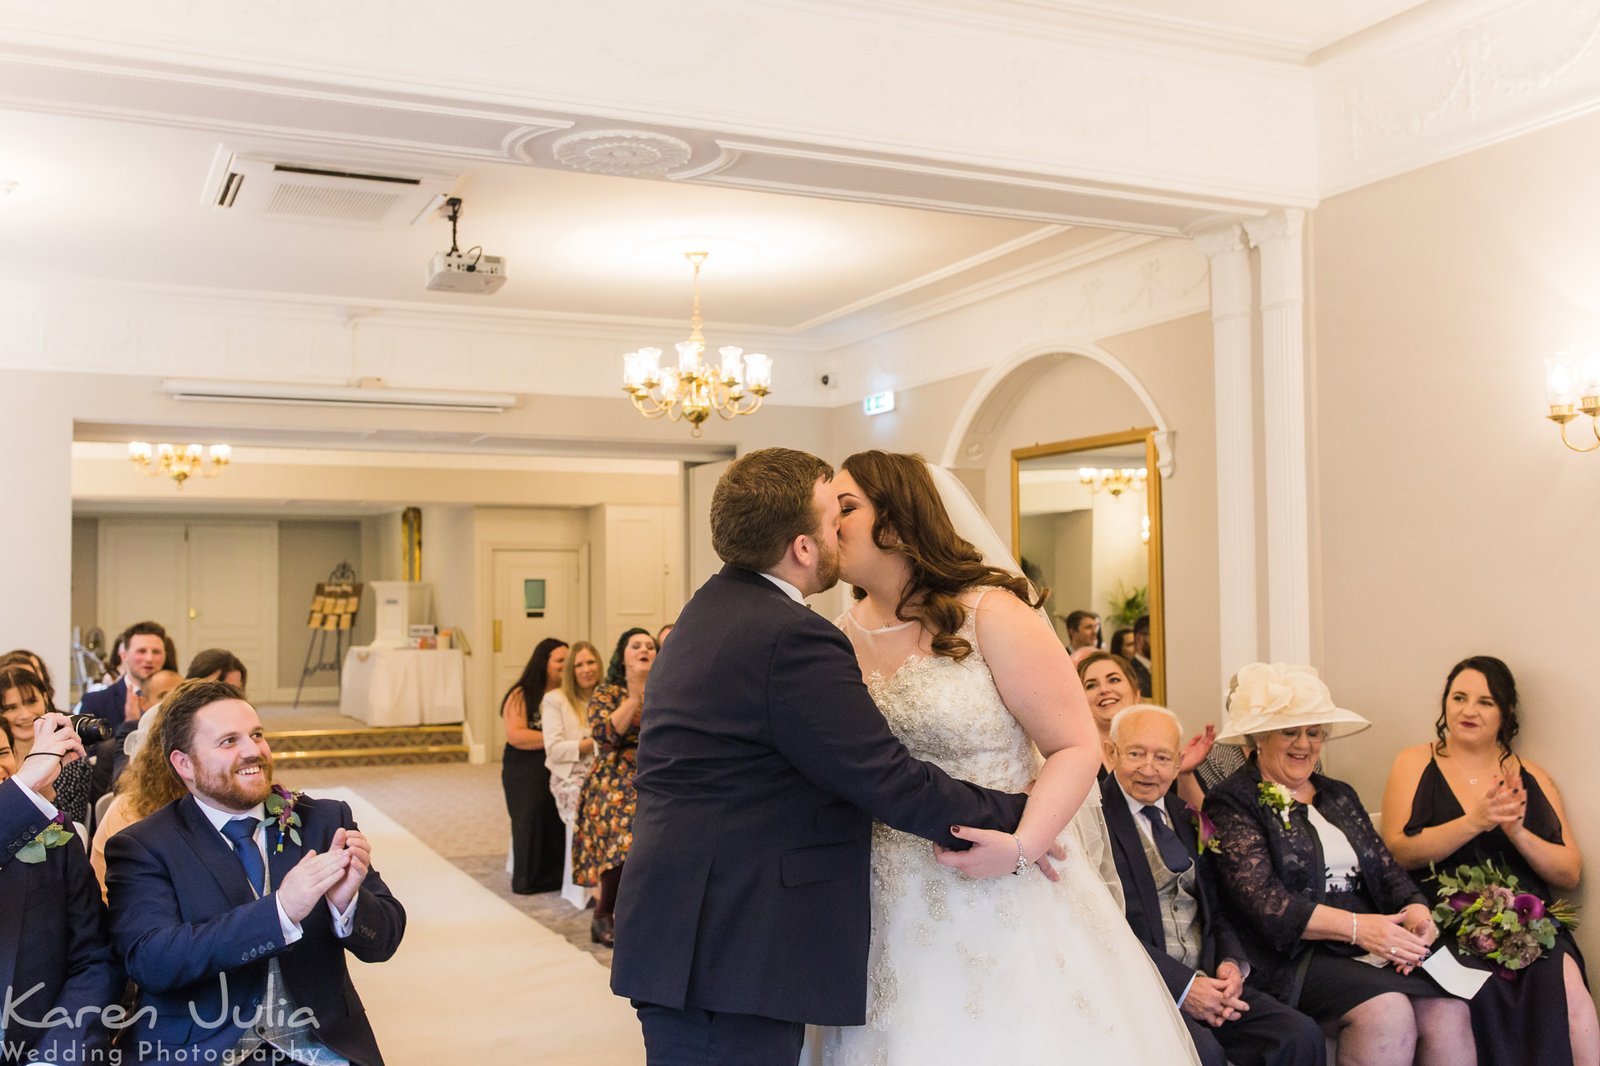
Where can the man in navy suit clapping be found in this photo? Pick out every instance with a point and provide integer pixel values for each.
(233, 918)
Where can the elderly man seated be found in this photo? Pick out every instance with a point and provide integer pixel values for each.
(1172, 904)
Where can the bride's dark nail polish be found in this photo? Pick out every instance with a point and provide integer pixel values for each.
(955, 830)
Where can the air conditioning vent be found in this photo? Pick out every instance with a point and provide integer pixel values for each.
(325, 192)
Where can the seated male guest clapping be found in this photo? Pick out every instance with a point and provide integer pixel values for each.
(1330, 922)
(1169, 885)
(57, 973)
(235, 931)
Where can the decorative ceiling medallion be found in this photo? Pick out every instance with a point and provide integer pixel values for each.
(629, 153)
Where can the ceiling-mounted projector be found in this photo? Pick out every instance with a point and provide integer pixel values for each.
(469, 271)
(455, 272)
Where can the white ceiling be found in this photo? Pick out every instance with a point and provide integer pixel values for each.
(119, 201)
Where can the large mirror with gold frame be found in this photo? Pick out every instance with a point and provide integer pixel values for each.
(1086, 524)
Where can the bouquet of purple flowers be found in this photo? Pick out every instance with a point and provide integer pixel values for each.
(1495, 922)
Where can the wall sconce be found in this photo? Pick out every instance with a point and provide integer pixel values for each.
(1572, 382)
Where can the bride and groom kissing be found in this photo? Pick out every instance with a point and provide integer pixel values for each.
(759, 896)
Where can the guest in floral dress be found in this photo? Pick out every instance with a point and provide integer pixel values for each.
(604, 831)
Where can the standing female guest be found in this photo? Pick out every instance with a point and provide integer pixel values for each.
(1317, 895)
(604, 830)
(569, 750)
(23, 702)
(1468, 799)
(538, 839)
(1124, 643)
(1108, 682)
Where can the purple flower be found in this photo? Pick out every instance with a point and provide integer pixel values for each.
(1529, 908)
(1461, 901)
(60, 819)
(1480, 943)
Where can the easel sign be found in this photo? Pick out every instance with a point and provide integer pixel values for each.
(334, 605)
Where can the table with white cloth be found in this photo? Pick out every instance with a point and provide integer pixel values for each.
(403, 686)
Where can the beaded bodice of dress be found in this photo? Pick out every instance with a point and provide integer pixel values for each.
(945, 711)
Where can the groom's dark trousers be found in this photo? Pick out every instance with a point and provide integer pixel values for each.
(743, 912)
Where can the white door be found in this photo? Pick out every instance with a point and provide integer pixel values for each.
(144, 576)
(703, 561)
(233, 598)
(211, 584)
(537, 594)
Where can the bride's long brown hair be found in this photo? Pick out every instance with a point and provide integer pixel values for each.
(911, 522)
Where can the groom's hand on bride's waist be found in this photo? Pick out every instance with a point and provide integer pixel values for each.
(992, 854)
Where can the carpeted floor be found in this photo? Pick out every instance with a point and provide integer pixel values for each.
(282, 716)
(459, 811)
(474, 980)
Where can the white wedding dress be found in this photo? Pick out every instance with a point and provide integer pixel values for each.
(1009, 970)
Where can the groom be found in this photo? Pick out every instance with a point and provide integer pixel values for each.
(743, 911)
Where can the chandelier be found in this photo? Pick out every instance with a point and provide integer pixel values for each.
(1572, 381)
(694, 389)
(1115, 482)
(179, 462)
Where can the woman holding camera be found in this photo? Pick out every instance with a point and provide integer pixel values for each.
(23, 702)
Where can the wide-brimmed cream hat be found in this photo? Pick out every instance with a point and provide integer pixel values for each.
(1270, 696)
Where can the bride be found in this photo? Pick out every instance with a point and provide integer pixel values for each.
(971, 677)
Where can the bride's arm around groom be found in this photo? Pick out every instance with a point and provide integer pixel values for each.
(1039, 686)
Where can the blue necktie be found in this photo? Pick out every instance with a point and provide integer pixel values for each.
(241, 833)
(1173, 853)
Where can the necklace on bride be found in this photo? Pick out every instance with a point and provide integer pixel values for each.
(893, 627)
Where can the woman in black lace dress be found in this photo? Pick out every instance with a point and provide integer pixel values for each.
(1331, 924)
(1467, 799)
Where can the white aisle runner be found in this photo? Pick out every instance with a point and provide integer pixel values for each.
(475, 980)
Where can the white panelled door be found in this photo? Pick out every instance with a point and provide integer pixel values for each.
(233, 598)
(537, 594)
(211, 584)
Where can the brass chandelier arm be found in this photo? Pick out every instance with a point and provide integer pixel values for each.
(1594, 425)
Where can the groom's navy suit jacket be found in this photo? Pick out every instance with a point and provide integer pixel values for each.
(196, 939)
(1218, 941)
(55, 957)
(762, 763)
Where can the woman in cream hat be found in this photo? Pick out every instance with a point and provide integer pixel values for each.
(1330, 922)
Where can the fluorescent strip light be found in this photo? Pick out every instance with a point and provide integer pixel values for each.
(336, 396)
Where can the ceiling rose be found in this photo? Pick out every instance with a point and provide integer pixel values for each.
(630, 153)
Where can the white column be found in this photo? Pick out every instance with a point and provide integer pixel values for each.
(1283, 378)
(36, 565)
(1236, 475)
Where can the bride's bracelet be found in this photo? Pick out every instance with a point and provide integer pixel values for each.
(1022, 859)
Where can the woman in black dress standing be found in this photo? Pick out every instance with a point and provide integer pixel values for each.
(538, 837)
(1468, 799)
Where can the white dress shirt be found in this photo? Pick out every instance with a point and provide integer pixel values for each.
(342, 922)
(788, 590)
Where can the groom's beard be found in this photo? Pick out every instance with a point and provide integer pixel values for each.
(827, 567)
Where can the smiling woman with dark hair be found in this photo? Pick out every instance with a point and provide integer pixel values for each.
(1466, 799)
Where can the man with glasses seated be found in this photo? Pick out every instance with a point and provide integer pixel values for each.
(1173, 907)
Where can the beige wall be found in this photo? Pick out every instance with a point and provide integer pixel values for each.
(1452, 521)
(307, 553)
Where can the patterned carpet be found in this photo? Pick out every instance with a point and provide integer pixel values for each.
(460, 812)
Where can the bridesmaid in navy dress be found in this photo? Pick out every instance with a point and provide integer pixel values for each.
(1469, 798)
